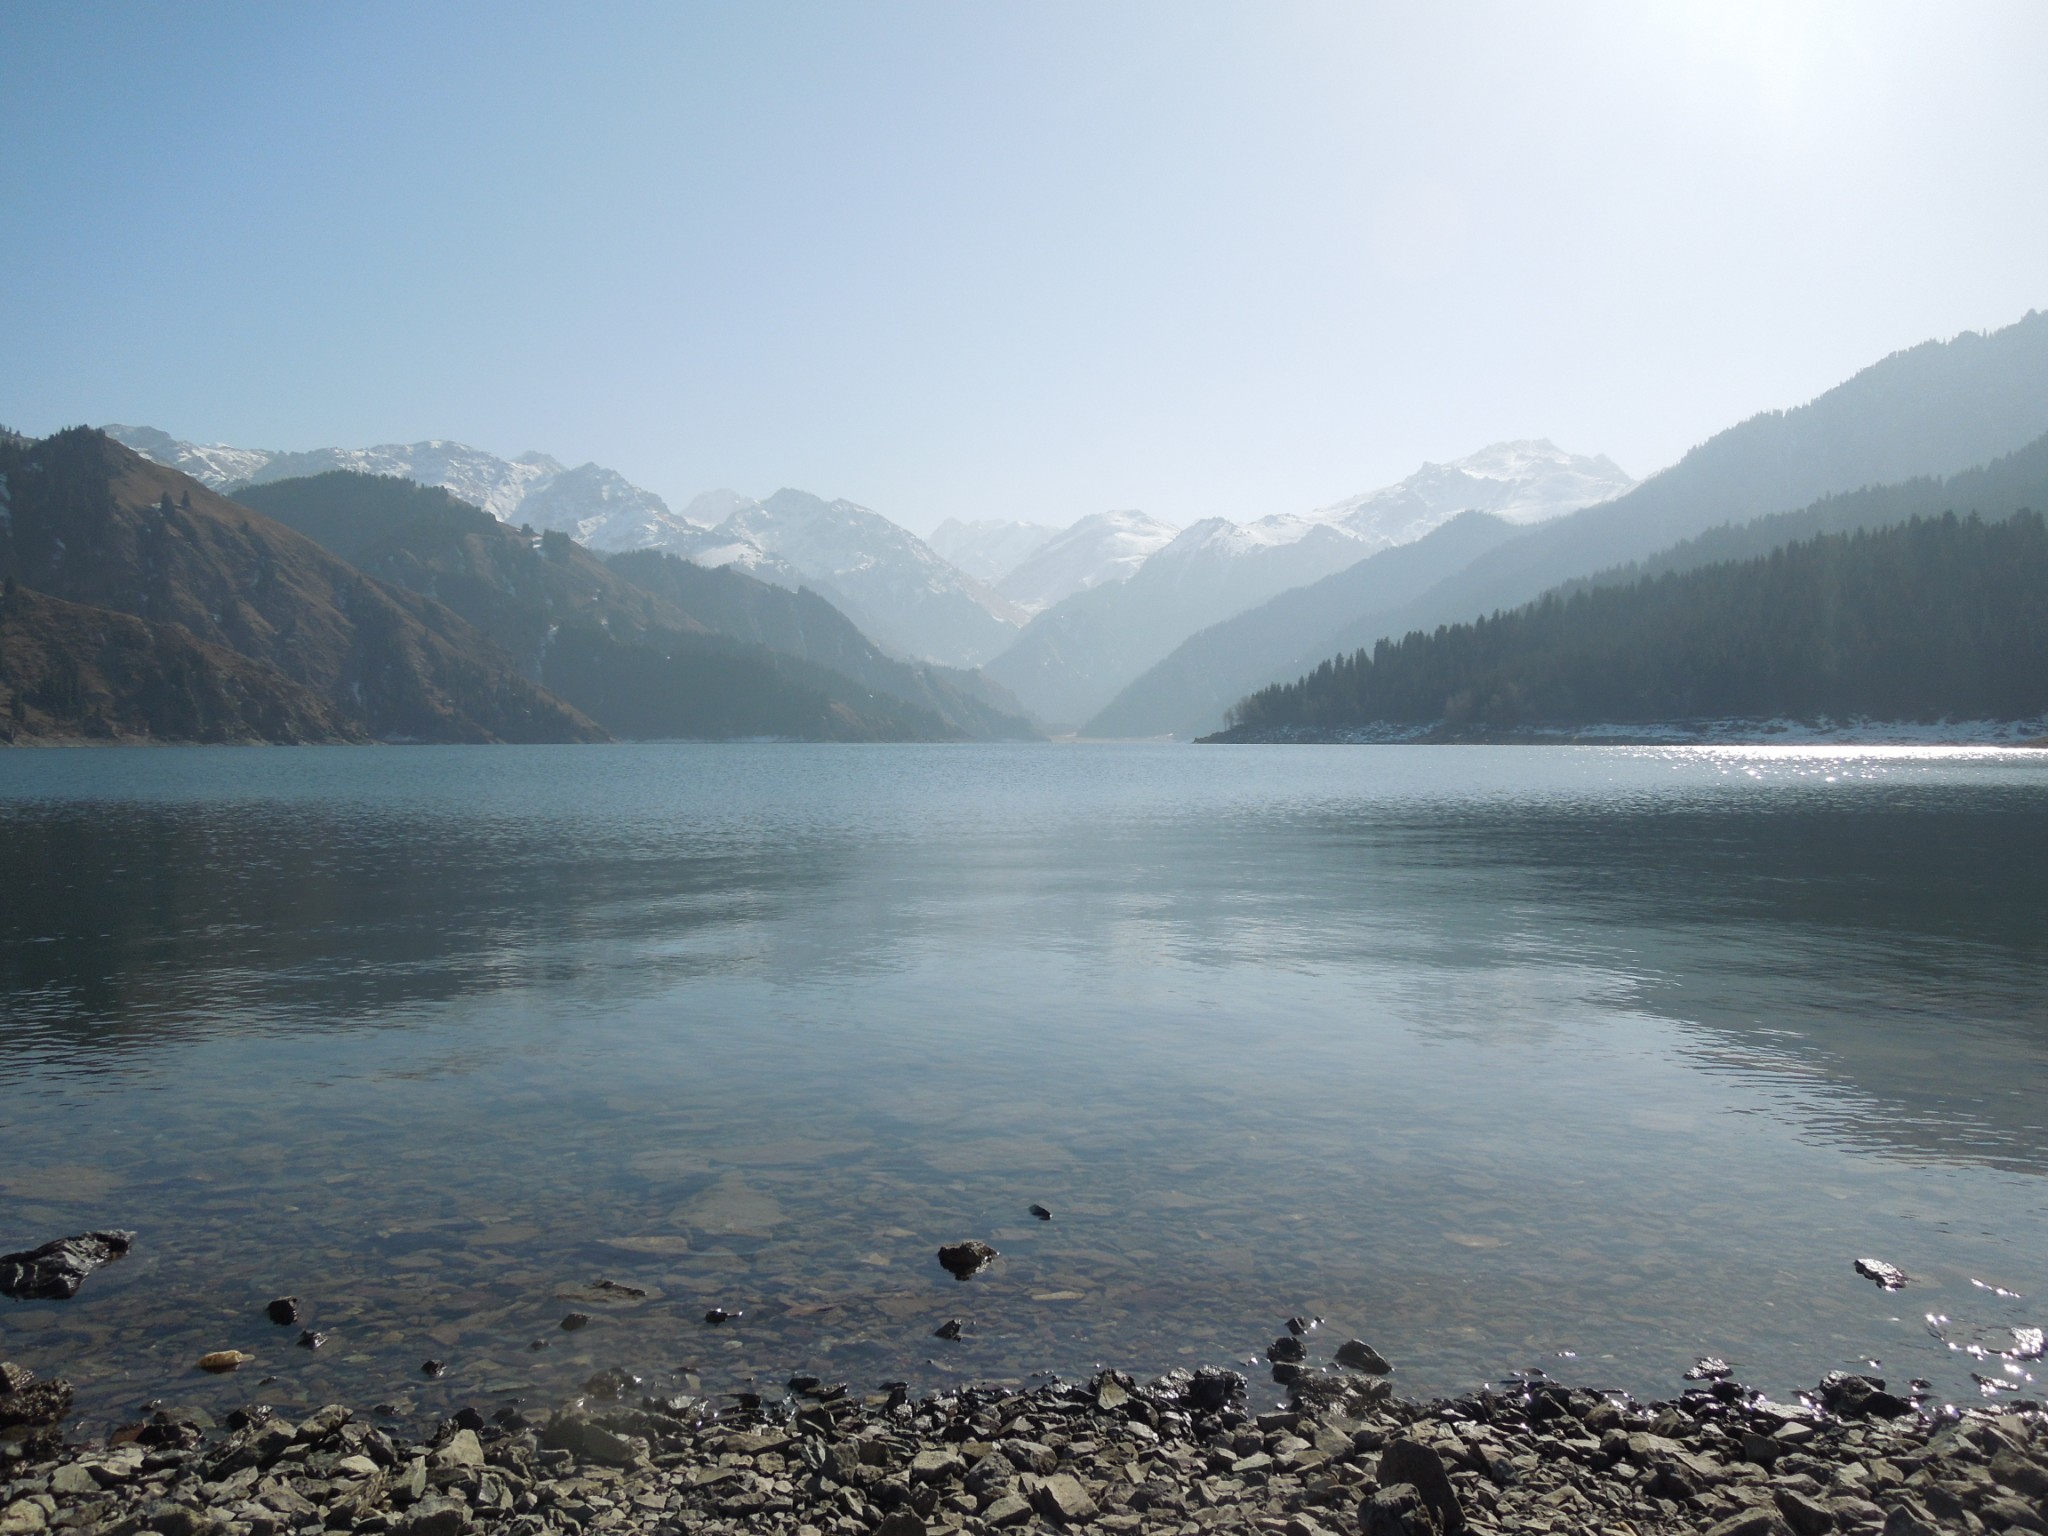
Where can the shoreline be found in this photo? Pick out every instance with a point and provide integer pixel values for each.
(1185, 1454)
(1731, 732)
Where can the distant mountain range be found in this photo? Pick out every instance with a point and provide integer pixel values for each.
(1079, 654)
(988, 551)
(595, 506)
(141, 605)
(1124, 625)
(1934, 410)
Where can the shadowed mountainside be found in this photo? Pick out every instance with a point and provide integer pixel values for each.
(627, 656)
(93, 523)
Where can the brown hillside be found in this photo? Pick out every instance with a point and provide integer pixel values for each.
(93, 523)
(73, 673)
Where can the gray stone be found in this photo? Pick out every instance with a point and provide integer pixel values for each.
(1357, 1355)
(1010, 1509)
(1410, 1461)
(1397, 1510)
(1061, 1498)
(462, 1450)
(941, 1466)
(1807, 1516)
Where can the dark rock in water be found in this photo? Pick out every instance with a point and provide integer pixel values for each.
(1709, 1368)
(14, 1377)
(36, 1403)
(541, 1344)
(574, 1320)
(466, 1417)
(1860, 1397)
(1301, 1325)
(1412, 1462)
(1887, 1277)
(1041, 1213)
(55, 1271)
(433, 1367)
(951, 1328)
(719, 1315)
(1210, 1390)
(964, 1261)
(613, 1384)
(622, 1292)
(310, 1339)
(1287, 1349)
(1357, 1355)
(283, 1310)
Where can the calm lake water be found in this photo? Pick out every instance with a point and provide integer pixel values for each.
(1587, 1060)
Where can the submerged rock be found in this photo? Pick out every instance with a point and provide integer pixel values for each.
(284, 1310)
(963, 1261)
(221, 1361)
(951, 1328)
(310, 1339)
(55, 1271)
(1041, 1213)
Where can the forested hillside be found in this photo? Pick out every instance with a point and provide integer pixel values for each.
(1938, 619)
(630, 658)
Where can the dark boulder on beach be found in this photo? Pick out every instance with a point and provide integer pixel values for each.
(55, 1271)
(1410, 1461)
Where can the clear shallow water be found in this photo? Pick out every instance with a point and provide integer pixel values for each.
(1591, 1060)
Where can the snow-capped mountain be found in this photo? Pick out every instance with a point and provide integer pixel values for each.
(596, 506)
(989, 551)
(1106, 547)
(1081, 652)
(1529, 481)
(886, 579)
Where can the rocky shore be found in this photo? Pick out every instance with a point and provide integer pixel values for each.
(1182, 1455)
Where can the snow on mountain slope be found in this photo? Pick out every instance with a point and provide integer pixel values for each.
(1106, 547)
(1080, 653)
(886, 579)
(1529, 481)
(989, 551)
(213, 465)
(597, 506)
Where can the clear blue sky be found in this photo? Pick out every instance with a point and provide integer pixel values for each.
(1027, 260)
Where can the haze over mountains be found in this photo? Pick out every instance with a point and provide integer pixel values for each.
(1124, 625)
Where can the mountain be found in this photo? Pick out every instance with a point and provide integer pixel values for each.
(2016, 482)
(1106, 547)
(1935, 410)
(1187, 693)
(802, 624)
(1936, 620)
(988, 551)
(70, 672)
(629, 657)
(593, 505)
(93, 523)
(886, 579)
(1077, 656)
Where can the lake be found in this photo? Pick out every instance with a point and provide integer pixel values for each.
(1582, 1060)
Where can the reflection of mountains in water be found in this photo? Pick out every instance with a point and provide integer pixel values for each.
(1884, 958)
(135, 925)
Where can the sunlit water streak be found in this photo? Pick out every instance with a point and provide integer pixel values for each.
(1589, 1059)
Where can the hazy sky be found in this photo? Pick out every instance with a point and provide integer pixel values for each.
(1002, 260)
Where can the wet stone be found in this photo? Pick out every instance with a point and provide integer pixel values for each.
(1357, 1355)
(574, 1320)
(55, 1271)
(965, 1260)
(284, 1310)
